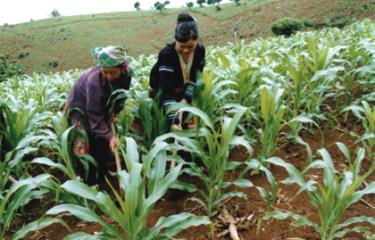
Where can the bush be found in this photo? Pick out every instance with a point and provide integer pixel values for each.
(9, 69)
(340, 22)
(23, 55)
(286, 26)
(310, 22)
(53, 64)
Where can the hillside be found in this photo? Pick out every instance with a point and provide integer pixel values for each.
(63, 43)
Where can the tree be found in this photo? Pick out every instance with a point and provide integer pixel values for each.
(190, 5)
(161, 6)
(55, 13)
(216, 3)
(237, 2)
(137, 6)
(201, 2)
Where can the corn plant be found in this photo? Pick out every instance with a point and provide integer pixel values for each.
(247, 84)
(144, 185)
(116, 101)
(367, 116)
(16, 197)
(269, 197)
(20, 120)
(59, 139)
(298, 88)
(206, 97)
(48, 91)
(59, 124)
(122, 106)
(125, 118)
(360, 71)
(151, 116)
(45, 92)
(272, 111)
(21, 132)
(322, 73)
(331, 198)
(214, 146)
(66, 161)
(140, 77)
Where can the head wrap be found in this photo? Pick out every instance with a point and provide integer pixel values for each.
(109, 56)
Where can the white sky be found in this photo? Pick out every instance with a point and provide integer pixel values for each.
(18, 11)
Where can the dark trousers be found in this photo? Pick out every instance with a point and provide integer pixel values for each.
(98, 149)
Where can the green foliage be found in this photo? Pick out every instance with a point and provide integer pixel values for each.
(20, 133)
(151, 116)
(9, 68)
(144, 185)
(331, 198)
(55, 13)
(207, 94)
(53, 63)
(201, 2)
(23, 55)
(310, 22)
(190, 5)
(18, 195)
(67, 158)
(366, 113)
(213, 147)
(286, 26)
(137, 6)
(339, 22)
(273, 112)
(161, 6)
(216, 3)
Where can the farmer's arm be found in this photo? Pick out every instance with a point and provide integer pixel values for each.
(168, 85)
(95, 108)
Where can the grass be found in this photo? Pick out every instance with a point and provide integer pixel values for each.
(66, 41)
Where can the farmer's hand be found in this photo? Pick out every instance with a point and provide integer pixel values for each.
(112, 120)
(183, 101)
(113, 143)
(176, 127)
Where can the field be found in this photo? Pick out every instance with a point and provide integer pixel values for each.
(283, 149)
(61, 44)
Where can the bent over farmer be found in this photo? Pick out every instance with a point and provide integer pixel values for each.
(86, 105)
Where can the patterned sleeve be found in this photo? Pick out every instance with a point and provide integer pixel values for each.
(168, 84)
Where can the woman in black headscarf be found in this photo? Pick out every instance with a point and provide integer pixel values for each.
(175, 72)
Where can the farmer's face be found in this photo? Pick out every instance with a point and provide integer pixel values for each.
(186, 48)
(111, 73)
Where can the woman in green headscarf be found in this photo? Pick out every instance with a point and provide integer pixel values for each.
(89, 96)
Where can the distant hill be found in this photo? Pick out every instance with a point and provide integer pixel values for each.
(63, 43)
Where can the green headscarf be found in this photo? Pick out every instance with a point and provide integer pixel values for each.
(109, 56)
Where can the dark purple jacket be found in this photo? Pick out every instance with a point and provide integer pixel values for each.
(90, 93)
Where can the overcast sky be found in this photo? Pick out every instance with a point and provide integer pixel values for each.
(18, 11)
